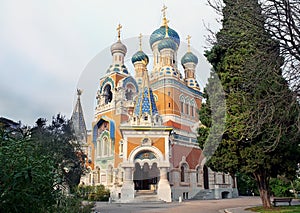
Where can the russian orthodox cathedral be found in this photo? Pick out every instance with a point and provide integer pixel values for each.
(143, 140)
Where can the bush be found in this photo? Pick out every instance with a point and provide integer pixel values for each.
(93, 193)
(280, 187)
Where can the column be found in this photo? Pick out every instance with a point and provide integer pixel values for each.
(164, 189)
(127, 190)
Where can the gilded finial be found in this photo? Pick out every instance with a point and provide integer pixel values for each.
(119, 32)
(189, 42)
(140, 39)
(167, 29)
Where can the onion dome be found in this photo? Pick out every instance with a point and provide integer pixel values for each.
(189, 57)
(140, 56)
(167, 43)
(118, 47)
(160, 34)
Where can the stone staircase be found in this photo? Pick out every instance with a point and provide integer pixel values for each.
(146, 196)
(204, 194)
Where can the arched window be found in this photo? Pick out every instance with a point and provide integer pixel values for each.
(198, 174)
(129, 92)
(187, 106)
(98, 148)
(106, 146)
(107, 93)
(182, 100)
(98, 175)
(184, 173)
(110, 174)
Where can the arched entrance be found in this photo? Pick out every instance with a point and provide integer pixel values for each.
(146, 173)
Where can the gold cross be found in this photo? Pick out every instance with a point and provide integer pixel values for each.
(140, 38)
(189, 42)
(164, 10)
(119, 31)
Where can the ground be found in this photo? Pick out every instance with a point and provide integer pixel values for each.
(197, 206)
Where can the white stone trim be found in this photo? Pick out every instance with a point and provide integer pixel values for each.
(138, 149)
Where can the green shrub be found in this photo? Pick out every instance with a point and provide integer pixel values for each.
(93, 193)
(280, 187)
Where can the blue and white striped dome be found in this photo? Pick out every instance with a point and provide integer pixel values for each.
(167, 43)
(160, 33)
(140, 56)
(189, 57)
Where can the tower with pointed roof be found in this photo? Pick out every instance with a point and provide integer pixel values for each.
(143, 136)
(78, 121)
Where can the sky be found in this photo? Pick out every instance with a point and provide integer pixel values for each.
(48, 49)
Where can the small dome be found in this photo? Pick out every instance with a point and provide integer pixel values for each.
(167, 43)
(189, 57)
(140, 56)
(160, 34)
(118, 47)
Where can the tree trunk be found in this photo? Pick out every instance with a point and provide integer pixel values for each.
(263, 187)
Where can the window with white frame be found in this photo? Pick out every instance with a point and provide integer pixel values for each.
(181, 100)
(184, 173)
(193, 107)
(187, 105)
(121, 148)
(106, 146)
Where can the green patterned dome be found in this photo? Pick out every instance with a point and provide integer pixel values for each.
(167, 43)
(189, 57)
(140, 56)
(160, 34)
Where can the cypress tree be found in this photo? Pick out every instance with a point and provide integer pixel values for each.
(261, 131)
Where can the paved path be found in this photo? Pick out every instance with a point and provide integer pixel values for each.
(195, 206)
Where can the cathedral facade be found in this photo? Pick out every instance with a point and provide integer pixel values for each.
(143, 140)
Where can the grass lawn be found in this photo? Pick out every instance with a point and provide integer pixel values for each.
(279, 209)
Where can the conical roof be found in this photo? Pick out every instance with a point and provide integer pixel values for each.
(78, 121)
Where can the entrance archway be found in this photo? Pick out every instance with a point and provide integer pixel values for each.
(146, 173)
(145, 177)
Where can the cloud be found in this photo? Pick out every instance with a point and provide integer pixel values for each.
(45, 45)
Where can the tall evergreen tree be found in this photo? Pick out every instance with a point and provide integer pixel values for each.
(58, 140)
(262, 115)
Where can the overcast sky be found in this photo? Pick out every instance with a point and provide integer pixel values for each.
(47, 48)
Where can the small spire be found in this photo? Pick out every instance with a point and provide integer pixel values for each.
(189, 42)
(140, 39)
(79, 92)
(119, 32)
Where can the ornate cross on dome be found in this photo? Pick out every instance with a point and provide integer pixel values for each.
(140, 38)
(165, 21)
(163, 10)
(189, 42)
(119, 31)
